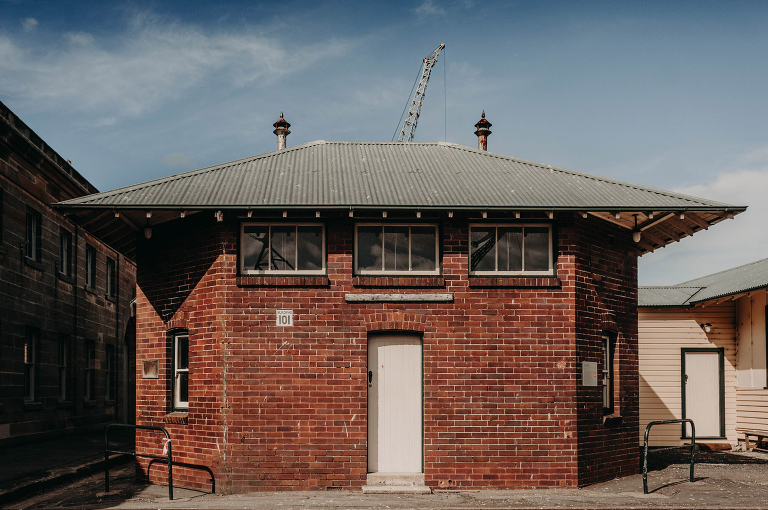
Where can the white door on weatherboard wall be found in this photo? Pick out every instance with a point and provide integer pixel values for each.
(702, 392)
(394, 404)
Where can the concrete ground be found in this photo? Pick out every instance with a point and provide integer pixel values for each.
(66, 474)
(716, 486)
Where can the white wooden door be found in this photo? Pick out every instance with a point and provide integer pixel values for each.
(394, 404)
(702, 392)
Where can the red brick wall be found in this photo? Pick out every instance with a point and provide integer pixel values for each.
(285, 407)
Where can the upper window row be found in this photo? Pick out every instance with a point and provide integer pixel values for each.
(33, 249)
(396, 249)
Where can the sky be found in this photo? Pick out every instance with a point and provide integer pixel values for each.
(658, 93)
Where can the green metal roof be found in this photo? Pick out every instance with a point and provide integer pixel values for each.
(336, 176)
(731, 282)
(376, 174)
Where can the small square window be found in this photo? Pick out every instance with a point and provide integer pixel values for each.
(65, 252)
(181, 371)
(34, 238)
(282, 249)
(396, 249)
(510, 250)
(90, 266)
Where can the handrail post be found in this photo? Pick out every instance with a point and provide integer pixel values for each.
(169, 455)
(693, 445)
(106, 458)
(645, 447)
(170, 470)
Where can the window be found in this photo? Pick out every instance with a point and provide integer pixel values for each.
(90, 266)
(180, 371)
(608, 346)
(2, 212)
(65, 252)
(34, 240)
(111, 277)
(63, 366)
(282, 249)
(90, 369)
(396, 249)
(510, 249)
(31, 340)
(110, 373)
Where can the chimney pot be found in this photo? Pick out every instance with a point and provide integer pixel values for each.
(282, 131)
(483, 130)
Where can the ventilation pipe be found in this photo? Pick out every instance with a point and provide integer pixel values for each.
(282, 131)
(483, 130)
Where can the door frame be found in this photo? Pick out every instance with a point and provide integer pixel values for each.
(721, 376)
(380, 333)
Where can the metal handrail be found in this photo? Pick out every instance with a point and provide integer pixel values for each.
(645, 447)
(169, 457)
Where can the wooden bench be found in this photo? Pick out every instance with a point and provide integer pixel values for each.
(761, 435)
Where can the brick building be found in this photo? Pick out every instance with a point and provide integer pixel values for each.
(348, 314)
(68, 340)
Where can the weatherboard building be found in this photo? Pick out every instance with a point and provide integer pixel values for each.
(350, 314)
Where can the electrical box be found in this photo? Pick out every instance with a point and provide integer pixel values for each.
(589, 373)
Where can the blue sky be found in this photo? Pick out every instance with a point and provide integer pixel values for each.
(665, 94)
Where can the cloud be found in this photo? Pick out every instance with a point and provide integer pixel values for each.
(728, 244)
(151, 63)
(429, 8)
(29, 24)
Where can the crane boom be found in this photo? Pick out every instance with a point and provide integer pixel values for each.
(409, 125)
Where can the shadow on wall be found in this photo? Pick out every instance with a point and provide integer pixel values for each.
(175, 259)
(652, 408)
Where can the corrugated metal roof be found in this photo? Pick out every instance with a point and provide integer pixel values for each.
(665, 296)
(726, 283)
(378, 174)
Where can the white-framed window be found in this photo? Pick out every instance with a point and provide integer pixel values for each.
(398, 249)
(282, 248)
(90, 266)
(180, 371)
(608, 346)
(65, 252)
(511, 249)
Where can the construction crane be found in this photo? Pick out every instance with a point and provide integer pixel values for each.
(409, 125)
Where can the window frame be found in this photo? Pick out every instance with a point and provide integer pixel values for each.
(90, 266)
(176, 403)
(111, 279)
(608, 350)
(110, 372)
(30, 359)
(89, 383)
(242, 270)
(394, 272)
(33, 238)
(65, 252)
(523, 272)
(64, 362)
